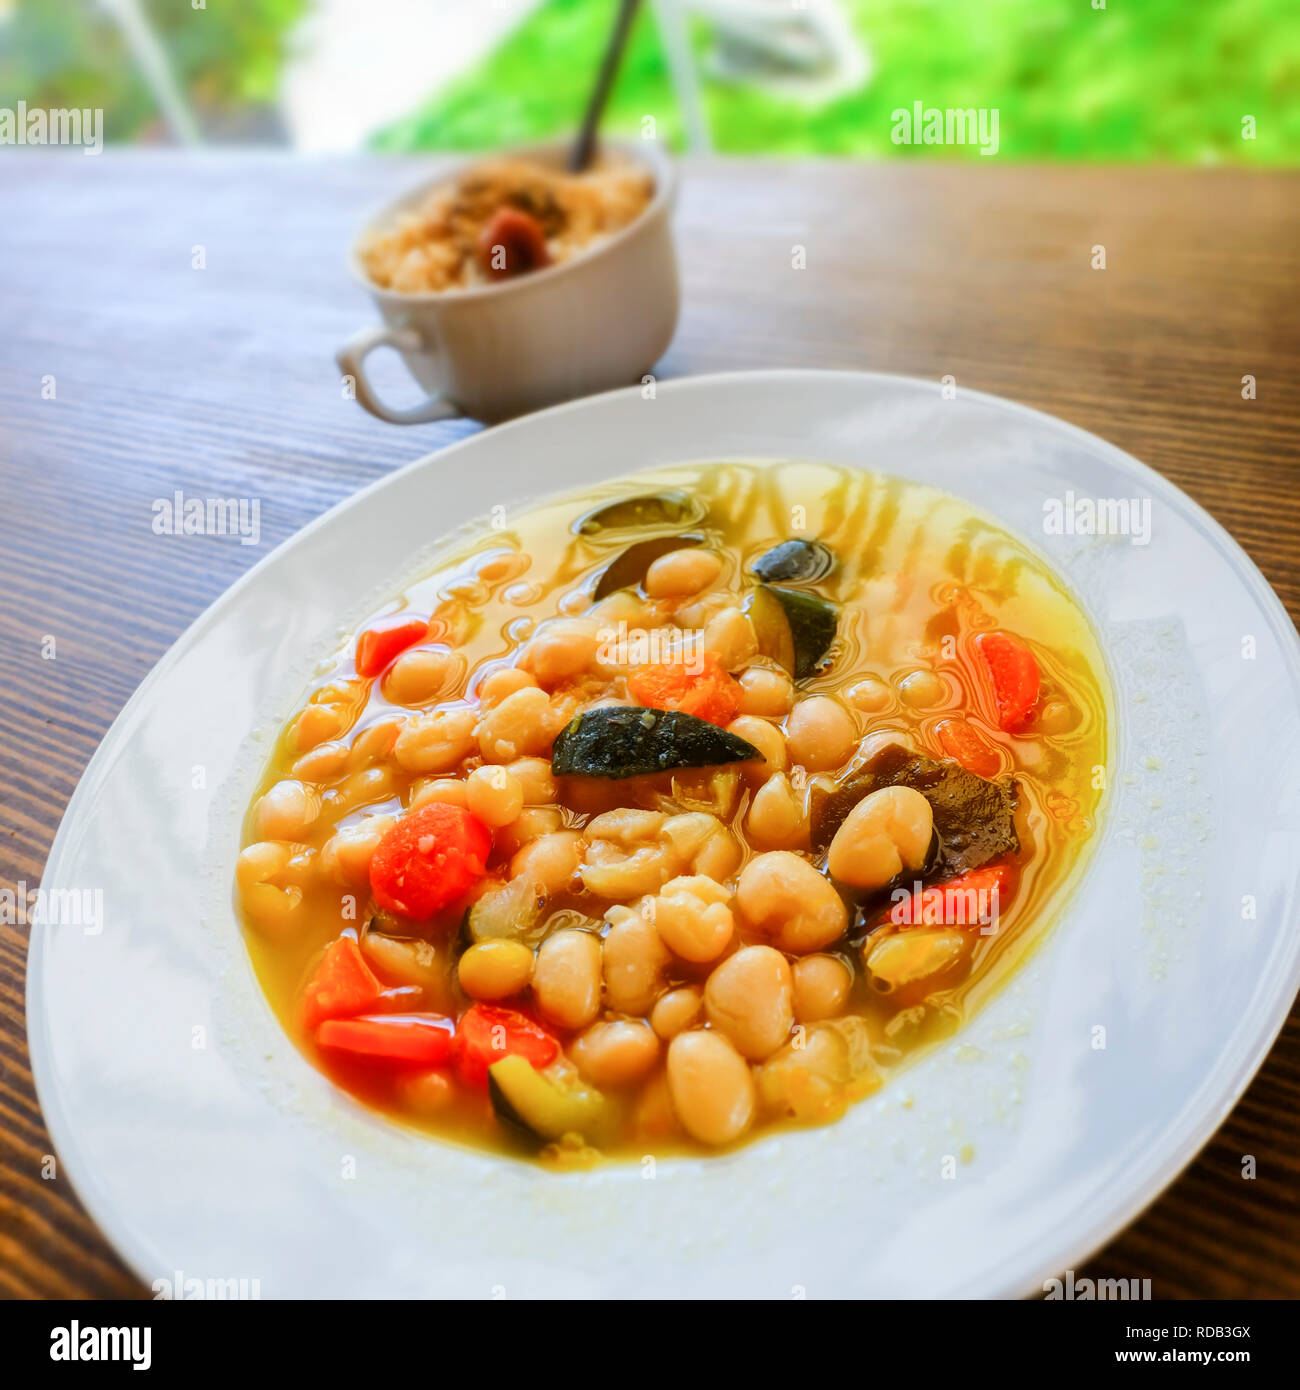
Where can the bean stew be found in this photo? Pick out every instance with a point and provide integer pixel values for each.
(678, 811)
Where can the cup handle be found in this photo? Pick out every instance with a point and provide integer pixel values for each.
(351, 358)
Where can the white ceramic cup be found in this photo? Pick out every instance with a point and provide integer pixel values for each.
(599, 320)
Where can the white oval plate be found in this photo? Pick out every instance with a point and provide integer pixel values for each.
(204, 1144)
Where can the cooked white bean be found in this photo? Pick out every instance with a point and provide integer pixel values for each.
(621, 607)
(821, 987)
(535, 780)
(346, 855)
(318, 724)
(711, 1087)
(612, 871)
(870, 694)
(776, 817)
(437, 741)
(695, 615)
(530, 824)
(677, 1010)
(561, 648)
(767, 739)
(787, 900)
(806, 1081)
(287, 809)
(550, 860)
(749, 998)
(922, 689)
(878, 740)
(626, 825)
(494, 795)
(374, 743)
(729, 635)
(719, 856)
(820, 733)
(505, 680)
(681, 573)
(272, 902)
(323, 764)
(766, 692)
(1056, 717)
(449, 790)
(366, 788)
(701, 843)
(687, 833)
(401, 960)
(518, 727)
(693, 918)
(635, 959)
(566, 977)
(885, 833)
(422, 674)
(615, 1053)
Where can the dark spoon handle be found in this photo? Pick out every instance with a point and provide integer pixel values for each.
(584, 147)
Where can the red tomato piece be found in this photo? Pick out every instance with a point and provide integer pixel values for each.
(1014, 673)
(966, 745)
(972, 899)
(701, 687)
(414, 1039)
(379, 646)
(343, 984)
(486, 1034)
(428, 860)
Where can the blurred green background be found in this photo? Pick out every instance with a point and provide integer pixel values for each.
(1167, 80)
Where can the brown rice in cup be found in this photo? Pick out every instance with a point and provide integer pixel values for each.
(433, 245)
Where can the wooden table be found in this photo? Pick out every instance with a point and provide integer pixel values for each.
(127, 373)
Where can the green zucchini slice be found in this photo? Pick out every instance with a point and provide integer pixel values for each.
(629, 568)
(794, 628)
(797, 561)
(671, 508)
(538, 1106)
(630, 741)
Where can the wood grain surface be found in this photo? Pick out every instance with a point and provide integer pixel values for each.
(221, 381)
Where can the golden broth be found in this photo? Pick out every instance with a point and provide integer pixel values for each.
(918, 573)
